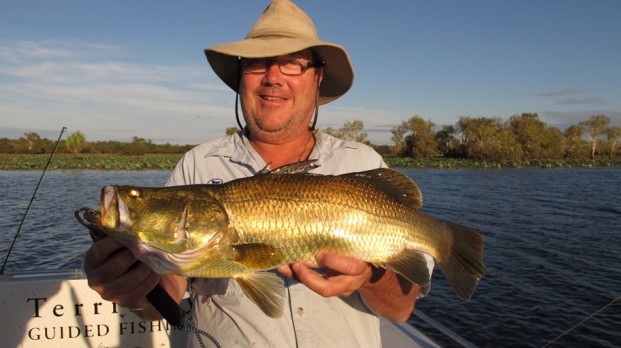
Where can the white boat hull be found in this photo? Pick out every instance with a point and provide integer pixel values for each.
(58, 309)
(52, 310)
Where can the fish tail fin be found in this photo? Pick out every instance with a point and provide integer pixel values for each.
(463, 266)
(265, 289)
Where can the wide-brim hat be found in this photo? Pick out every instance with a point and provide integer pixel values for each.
(284, 28)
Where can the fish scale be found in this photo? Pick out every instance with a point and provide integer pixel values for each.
(308, 222)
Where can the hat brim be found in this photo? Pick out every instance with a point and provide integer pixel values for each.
(338, 72)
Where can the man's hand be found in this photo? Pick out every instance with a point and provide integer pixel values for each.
(348, 274)
(381, 290)
(113, 272)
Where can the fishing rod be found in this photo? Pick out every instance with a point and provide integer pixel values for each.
(49, 160)
(582, 322)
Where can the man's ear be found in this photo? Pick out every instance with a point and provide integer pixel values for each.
(319, 77)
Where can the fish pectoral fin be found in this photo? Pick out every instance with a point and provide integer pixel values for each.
(265, 289)
(256, 256)
(412, 265)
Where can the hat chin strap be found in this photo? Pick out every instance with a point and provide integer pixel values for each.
(237, 94)
(237, 111)
(314, 124)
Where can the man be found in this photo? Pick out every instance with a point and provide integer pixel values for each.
(281, 72)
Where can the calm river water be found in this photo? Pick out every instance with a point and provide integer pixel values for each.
(552, 249)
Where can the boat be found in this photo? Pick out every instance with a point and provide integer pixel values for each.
(57, 308)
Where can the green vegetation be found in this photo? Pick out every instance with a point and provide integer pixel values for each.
(89, 161)
(456, 163)
(168, 161)
(77, 144)
(472, 142)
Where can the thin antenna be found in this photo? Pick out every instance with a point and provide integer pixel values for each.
(49, 160)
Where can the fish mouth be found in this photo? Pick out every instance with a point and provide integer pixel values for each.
(116, 218)
(114, 212)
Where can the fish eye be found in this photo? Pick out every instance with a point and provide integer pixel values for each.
(133, 193)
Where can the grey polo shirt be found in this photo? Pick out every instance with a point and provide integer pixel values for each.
(310, 320)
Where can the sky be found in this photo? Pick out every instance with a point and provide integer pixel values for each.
(118, 69)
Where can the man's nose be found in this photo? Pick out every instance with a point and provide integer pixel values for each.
(273, 74)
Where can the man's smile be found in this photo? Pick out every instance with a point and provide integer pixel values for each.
(273, 98)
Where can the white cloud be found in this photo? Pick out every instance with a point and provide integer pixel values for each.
(18, 51)
(44, 83)
(560, 92)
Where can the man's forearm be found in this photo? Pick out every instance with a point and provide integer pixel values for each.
(389, 296)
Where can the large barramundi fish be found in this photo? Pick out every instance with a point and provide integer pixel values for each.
(244, 227)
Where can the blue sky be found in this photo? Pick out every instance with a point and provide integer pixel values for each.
(118, 69)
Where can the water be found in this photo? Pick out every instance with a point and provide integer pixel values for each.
(552, 248)
(552, 253)
(51, 237)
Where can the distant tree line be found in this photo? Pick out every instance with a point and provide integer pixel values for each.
(76, 143)
(352, 131)
(521, 137)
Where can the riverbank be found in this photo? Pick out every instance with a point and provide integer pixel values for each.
(168, 161)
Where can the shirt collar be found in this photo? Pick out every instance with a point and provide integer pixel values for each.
(237, 147)
(325, 144)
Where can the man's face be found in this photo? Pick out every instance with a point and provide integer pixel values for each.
(279, 107)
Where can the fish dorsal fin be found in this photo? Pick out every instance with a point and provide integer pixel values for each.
(398, 186)
(293, 168)
(265, 289)
(256, 256)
